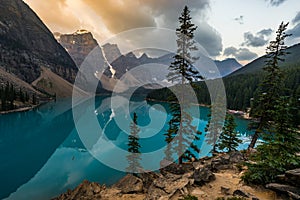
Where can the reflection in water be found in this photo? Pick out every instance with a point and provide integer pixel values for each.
(42, 154)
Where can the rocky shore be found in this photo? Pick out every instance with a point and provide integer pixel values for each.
(207, 179)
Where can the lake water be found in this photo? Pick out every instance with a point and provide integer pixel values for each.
(42, 155)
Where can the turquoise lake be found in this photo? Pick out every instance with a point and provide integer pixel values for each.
(42, 154)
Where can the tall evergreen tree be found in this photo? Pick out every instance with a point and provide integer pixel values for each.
(168, 139)
(34, 100)
(181, 73)
(279, 151)
(271, 87)
(228, 137)
(214, 126)
(134, 147)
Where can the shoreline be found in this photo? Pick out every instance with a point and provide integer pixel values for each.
(239, 113)
(25, 108)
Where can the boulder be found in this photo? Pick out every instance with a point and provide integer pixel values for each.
(175, 168)
(220, 163)
(282, 188)
(148, 178)
(130, 184)
(236, 157)
(167, 186)
(225, 190)
(293, 177)
(203, 175)
(240, 193)
(86, 190)
(294, 196)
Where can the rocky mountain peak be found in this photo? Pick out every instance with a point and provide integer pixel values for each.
(111, 51)
(78, 44)
(81, 32)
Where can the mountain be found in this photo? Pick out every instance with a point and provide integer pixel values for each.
(111, 52)
(26, 44)
(227, 66)
(78, 44)
(113, 64)
(292, 59)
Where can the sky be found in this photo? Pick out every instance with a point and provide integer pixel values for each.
(232, 28)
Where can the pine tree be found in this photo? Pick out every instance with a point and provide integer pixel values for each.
(169, 137)
(133, 147)
(181, 73)
(270, 88)
(279, 151)
(214, 126)
(228, 137)
(34, 100)
(21, 95)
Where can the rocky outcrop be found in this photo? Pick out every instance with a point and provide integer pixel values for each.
(170, 185)
(111, 51)
(86, 190)
(78, 44)
(130, 184)
(195, 179)
(289, 184)
(203, 175)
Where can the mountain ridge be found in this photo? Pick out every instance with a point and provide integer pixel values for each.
(256, 66)
(26, 45)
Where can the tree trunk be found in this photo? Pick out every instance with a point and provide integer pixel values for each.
(180, 160)
(253, 141)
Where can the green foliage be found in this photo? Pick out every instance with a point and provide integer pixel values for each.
(214, 126)
(189, 197)
(228, 138)
(133, 146)
(7, 96)
(271, 87)
(181, 71)
(168, 139)
(275, 113)
(278, 153)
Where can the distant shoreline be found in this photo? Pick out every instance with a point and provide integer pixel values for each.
(242, 114)
(24, 109)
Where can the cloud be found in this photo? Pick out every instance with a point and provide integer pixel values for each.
(265, 32)
(241, 54)
(297, 18)
(239, 19)
(166, 12)
(55, 13)
(275, 2)
(209, 38)
(257, 40)
(107, 17)
(121, 15)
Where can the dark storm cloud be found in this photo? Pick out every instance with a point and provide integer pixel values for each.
(257, 40)
(120, 15)
(210, 39)
(241, 54)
